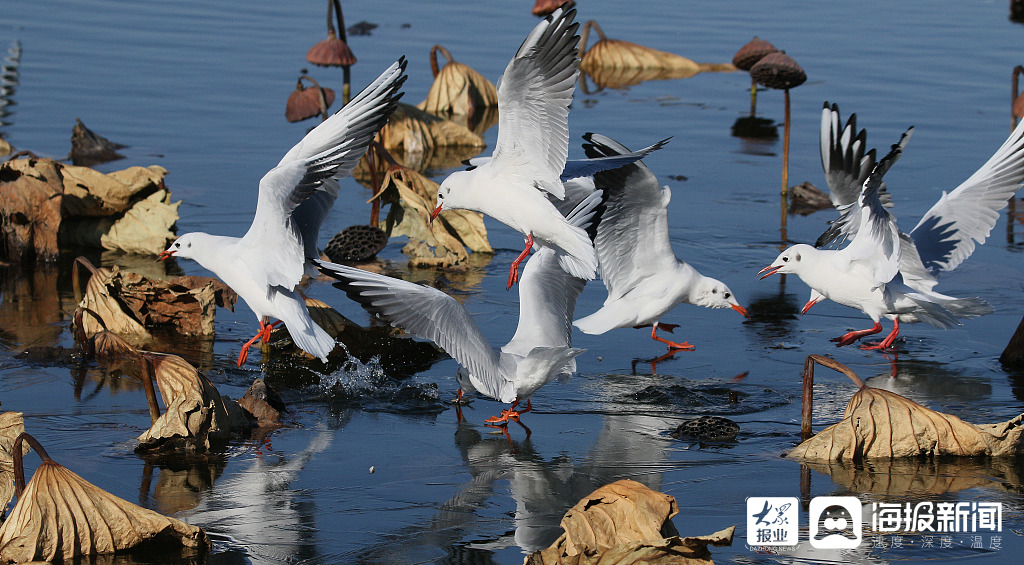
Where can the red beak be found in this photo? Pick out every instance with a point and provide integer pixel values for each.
(434, 214)
(740, 309)
(771, 270)
(165, 255)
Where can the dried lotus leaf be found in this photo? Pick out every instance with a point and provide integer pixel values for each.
(144, 229)
(30, 193)
(882, 424)
(60, 515)
(12, 424)
(112, 315)
(416, 131)
(626, 522)
(195, 417)
(412, 198)
(90, 193)
(457, 88)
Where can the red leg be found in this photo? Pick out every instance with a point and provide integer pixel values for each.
(510, 414)
(850, 337)
(244, 353)
(513, 270)
(887, 342)
(266, 331)
(671, 344)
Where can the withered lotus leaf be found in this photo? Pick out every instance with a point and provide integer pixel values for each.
(30, 209)
(457, 88)
(60, 515)
(622, 523)
(882, 424)
(416, 131)
(12, 424)
(194, 417)
(128, 303)
(413, 198)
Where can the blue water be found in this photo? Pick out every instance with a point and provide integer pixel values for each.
(199, 88)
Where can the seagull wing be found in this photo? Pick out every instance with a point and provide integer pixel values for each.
(949, 231)
(847, 164)
(632, 236)
(576, 168)
(424, 312)
(876, 247)
(297, 194)
(534, 95)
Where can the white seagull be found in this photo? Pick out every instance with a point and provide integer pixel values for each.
(644, 278)
(540, 351)
(266, 265)
(530, 154)
(897, 282)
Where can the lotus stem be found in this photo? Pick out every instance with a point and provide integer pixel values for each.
(585, 35)
(148, 376)
(785, 168)
(375, 180)
(753, 97)
(1013, 97)
(75, 279)
(433, 58)
(808, 388)
(19, 465)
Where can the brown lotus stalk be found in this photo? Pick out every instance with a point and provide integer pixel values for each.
(780, 71)
(808, 388)
(334, 51)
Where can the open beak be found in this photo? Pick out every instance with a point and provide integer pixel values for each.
(768, 271)
(434, 214)
(807, 306)
(739, 309)
(164, 255)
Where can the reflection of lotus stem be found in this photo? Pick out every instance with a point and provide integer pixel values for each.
(375, 180)
(19, 466)
(808, 389)
(785, 168)
(753, 97)
(148, 376)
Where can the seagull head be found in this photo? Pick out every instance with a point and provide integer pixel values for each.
(787, 262)
(712, 293)
(453, 193)
(182, 247)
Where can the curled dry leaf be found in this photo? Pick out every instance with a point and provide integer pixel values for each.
(458, 90)
(440, 243)
(60, 515)
(127, 210)
(12, 424)
(30, 209)
(882, 424)
(127, 303)
(88, 148)
(626, 522)
(416, 132)
(195, 417)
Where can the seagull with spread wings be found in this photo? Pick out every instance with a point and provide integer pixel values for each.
(266, 265)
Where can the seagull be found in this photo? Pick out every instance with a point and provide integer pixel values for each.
(644, 278)
(886, 272)
(266, 265)
(530, 154)
(541, 349)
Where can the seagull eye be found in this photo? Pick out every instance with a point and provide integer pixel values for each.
(727, 295)
(785, 259)
(176, 244)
